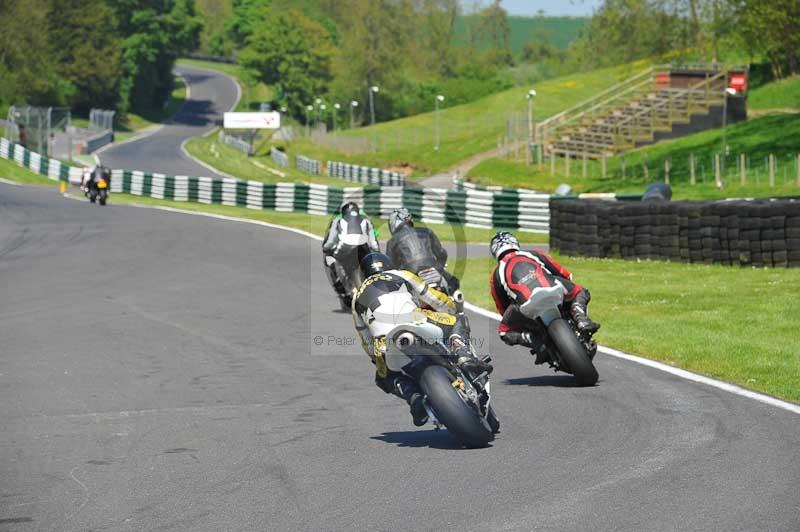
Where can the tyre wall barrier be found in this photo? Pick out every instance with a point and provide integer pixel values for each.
(365, 174)
(307, 165)
(525, 211)
(733, 232)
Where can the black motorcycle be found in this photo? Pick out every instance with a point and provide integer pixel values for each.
(343, 266)
(97, 188)
(563, 347)
(455, 399)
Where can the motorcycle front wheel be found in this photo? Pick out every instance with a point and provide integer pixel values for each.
(572, 353)
(102, 197)
(452, 411)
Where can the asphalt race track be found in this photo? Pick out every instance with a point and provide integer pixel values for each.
(162, 371)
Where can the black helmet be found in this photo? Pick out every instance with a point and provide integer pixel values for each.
(349, 209)
(375, 262)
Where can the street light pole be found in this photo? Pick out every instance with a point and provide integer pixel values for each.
(530, 95)
(322, 108)
(309, 108)
(353, 105)
(439, 98)
(732, 92)
(336, 108)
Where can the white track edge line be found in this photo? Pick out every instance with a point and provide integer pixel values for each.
(682, 373)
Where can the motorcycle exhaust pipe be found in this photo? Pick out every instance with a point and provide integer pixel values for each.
(458, 297)
(405, 341)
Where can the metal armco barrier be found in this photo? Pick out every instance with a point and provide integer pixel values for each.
(307, 165)
(526, 211)
(365, 174)
(745, 233)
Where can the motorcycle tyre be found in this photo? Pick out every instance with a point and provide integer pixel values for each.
(102, 197)
(464, 423)
(572, 353)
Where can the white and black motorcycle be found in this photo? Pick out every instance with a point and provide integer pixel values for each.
(453, 398)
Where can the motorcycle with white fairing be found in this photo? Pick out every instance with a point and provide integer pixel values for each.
(563, 347)
(454, 398)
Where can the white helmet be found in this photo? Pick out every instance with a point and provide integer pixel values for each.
(502, 242)
(398, 218)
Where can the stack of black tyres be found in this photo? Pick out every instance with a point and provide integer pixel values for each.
(793, 234)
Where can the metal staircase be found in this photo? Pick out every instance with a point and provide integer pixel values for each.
(633, 112)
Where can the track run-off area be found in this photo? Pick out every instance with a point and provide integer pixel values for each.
(167, 371)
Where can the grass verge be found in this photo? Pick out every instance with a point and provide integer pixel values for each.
(730, 323)
(11, 171)
(258, 168)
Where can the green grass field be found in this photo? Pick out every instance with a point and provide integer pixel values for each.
(783, 94)
(735, 324)
(757, 138)
(11, 171)
(254, 93)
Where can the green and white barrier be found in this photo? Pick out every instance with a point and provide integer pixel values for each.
(365, 174)
(307, 165)
(280, 158)
(526, 211)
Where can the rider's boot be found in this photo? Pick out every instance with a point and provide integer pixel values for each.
(579, 313)
(408, 390)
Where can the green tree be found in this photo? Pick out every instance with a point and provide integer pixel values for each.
(773, 29)
(83, 42)
(28, 71)
(154, 35)
(293, 53)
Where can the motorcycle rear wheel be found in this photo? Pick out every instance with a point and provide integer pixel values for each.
(572, 353)
(461, 420)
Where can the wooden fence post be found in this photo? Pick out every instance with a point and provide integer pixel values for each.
(666, 171)
(539, 156)
(742, 169)
(717, 170)
(771, 171)
(692, 175)
(584, 165)
(603, 165)
(552, 163)
(797, 162)
(566, 164)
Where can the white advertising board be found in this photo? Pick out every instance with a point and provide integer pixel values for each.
(270, 120)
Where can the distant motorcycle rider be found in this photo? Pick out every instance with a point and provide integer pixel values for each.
(375, 315)
(418, 249)
(517, 275)
(95, 175)
(349, 221)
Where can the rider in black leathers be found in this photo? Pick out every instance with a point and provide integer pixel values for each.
(417, 249)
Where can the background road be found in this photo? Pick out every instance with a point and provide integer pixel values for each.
(211, 94)
(159, 372)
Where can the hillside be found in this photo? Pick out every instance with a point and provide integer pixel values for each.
(465, 130)
(558, 31)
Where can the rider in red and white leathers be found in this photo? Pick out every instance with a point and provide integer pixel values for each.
(516, 276)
